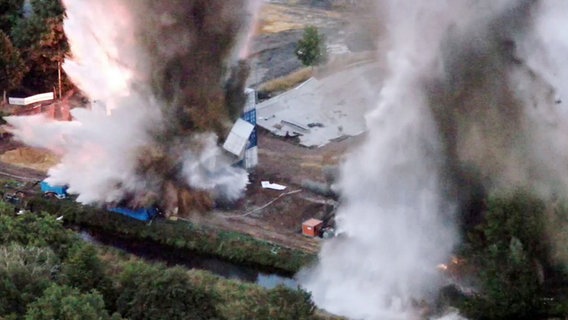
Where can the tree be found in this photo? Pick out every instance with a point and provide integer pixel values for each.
(84, 270)
(66, 303)
(12, 68)
(509, 248)
(10, 12)
(151, 292)
(45, 57)
(43, 44)
(311, 49)
(48, 8)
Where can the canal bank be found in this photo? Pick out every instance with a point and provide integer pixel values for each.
(152, 253)
(184, 238)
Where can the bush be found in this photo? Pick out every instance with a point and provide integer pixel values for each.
(84, 270)
(290, 304)
(154, 292)
(66, 303)
(243, 301)
(37, 230)
(25, 272)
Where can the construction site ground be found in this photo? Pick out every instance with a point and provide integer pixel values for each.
(270, 215)
(277, 216)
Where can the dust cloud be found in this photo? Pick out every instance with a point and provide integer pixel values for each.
(156, 75)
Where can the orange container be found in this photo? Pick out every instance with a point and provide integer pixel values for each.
(312, 227)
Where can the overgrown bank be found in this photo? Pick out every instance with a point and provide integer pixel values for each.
(185, 237)
(47, 272)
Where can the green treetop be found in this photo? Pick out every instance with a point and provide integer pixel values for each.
(311, 49)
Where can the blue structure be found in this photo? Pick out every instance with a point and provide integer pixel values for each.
(142, 214)
(250, 117)
(59, 191)
(250, 159)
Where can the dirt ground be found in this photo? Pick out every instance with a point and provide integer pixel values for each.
(279, 29)
(287, 163)
(282, 24)
(32, 158)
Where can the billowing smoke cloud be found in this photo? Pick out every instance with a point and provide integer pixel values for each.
(472, 102)
(155, 73)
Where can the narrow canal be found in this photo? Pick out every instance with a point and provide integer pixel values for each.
(170, 257)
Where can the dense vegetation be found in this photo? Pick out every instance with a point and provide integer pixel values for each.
(32, 46)
(47, 272)
(185, 237)
(508, 264)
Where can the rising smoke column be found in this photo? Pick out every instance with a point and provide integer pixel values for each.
(472, 103)
(154, 72)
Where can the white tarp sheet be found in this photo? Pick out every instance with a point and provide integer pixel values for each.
(273, 186)
(238, 137)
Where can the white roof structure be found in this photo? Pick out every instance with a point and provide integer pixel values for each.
(324, 109)
(238, 137)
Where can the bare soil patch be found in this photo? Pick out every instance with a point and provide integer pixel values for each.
(32, 158)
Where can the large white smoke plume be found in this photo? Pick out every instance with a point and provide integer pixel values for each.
(154, 73)
(472, 102)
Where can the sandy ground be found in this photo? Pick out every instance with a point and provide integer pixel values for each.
(32, 158)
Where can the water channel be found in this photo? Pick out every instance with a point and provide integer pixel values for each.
(168, 256)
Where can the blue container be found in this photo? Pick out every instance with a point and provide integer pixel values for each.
(59, 191)
(142, 214)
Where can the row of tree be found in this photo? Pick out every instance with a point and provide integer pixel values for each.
(32, 46)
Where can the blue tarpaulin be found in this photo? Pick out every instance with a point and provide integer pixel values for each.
(142, 214)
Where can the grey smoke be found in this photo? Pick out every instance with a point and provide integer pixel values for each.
(471, 104)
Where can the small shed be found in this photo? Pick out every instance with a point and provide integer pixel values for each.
(312, 227)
